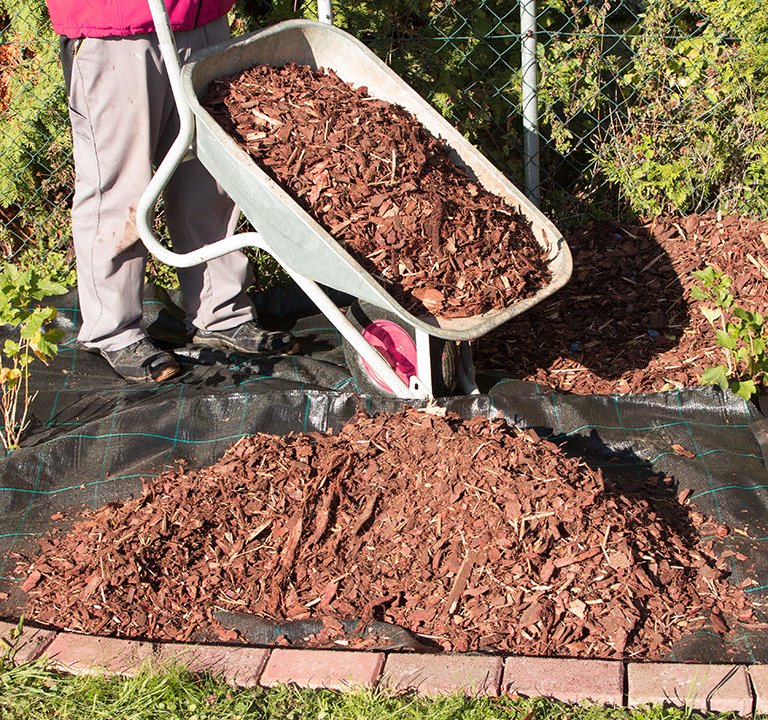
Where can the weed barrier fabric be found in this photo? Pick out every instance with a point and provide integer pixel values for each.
(94, 437)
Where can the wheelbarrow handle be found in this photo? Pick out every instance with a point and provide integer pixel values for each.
(145, 209)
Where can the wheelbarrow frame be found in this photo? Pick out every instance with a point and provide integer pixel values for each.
(309, 254)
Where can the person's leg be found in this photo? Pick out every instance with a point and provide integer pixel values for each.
(198, 212)
(114, 127)
(113, 133)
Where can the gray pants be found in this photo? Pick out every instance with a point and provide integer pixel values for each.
(123, 122)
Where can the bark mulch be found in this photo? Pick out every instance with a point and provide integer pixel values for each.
(385, 188)
(472, 534)
(626, 321)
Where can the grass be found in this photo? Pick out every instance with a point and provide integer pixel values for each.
(33, 691)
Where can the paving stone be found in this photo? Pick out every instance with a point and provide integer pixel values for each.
(711, 688)
(240, 666)
(759, 676)
(29, 645)
(80, 654)
(443, 674)
(568, 680)
(336, 670)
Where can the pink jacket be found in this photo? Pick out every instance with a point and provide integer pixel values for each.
(107, 18)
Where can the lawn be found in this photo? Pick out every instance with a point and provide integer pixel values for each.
(33, 691)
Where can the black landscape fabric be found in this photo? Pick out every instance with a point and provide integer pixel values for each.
(94, 437)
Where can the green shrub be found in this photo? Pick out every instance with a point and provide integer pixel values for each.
(20, 309)
(693, 135)
(739, 332)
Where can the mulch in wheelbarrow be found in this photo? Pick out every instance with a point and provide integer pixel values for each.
(385, 188)
(470, 533)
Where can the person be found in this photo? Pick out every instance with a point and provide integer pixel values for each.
(123, 120)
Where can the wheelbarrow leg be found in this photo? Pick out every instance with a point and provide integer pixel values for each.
(423, 361)
(353, 336)
(466, 379)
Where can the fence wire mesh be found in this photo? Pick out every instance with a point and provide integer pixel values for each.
(643, 107)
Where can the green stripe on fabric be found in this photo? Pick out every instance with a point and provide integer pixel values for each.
(745, 640)
(169, 438)
(305, 421)
(729, 487)
(647, 428)
(757, 589)
(556, 410)
(241, 383)
(105, 455)
(341, 384)
(62, 389)
(714, 451)
(296, 375)
(69, 488)
(244, 406)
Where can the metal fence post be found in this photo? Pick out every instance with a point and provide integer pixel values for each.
(325, 11)
(530, 100)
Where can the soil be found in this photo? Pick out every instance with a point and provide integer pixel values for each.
(470, 533)
(626, 321)
(385, 188)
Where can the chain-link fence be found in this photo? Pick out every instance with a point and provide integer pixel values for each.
(643, 107)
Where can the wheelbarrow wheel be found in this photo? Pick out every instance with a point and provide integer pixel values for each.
(396, 342)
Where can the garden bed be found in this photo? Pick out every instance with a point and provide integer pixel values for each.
(626, 321)
(471, 534)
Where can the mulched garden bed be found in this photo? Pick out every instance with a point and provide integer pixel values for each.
(626, 321)
(470, 533)
(373, 177)
(385, 188)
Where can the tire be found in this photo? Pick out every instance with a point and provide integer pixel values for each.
(393, 332)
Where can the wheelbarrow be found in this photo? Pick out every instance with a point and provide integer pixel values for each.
(388, 349)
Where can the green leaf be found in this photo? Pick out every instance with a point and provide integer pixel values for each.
(698, 294)
(717, 375)
(10, 348)
(32, 325)
(725, 339)
(49, 287)
(712, 314)
(54, 335)
(707, 275)
(43, 349)
(745, 389)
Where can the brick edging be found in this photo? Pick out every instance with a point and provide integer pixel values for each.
(708, 687)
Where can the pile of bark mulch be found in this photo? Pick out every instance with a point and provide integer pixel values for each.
(626, 321)
(472, 534)
(385, 188)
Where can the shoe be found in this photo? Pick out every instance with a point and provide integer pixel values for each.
(249, 339)
(141, 361)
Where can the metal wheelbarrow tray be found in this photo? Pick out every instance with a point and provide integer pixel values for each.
(309, 254)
